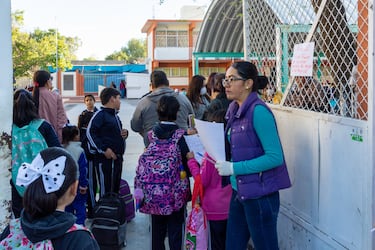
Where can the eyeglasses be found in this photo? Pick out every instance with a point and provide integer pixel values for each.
(228, 81)
(51, 78)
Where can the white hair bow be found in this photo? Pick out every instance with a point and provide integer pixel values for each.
(52, 173)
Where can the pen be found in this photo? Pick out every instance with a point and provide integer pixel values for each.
(207, 159)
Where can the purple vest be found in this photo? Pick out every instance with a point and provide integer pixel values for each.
(245, 145)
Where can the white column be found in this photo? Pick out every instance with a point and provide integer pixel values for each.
(246, 29)
(6, 104)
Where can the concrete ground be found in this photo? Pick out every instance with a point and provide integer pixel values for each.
(138, 235)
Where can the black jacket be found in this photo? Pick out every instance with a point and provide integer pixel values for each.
(104, 131)
(83, 121)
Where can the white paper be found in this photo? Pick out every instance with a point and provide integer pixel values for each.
(195, 145)
(211, 135)
(302, 60)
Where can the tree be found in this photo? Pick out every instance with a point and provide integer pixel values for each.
(135, 50)
(37, 50)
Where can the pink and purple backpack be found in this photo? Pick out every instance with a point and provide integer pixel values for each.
(158, 175)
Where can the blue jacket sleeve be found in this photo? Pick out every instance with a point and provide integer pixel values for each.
(49, 134)
(82, 164)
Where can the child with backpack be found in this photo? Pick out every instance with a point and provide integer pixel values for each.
(70, 136)
(161, 182)
(216, 199)
(83, 122)
(51, 184)
(30, 135)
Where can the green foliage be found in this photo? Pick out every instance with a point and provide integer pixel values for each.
(37, 50)
(132, 53)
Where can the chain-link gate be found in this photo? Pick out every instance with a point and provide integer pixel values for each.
(339, 30)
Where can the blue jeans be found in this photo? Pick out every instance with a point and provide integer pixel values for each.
(253, 217)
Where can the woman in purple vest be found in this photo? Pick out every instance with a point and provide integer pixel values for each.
(255, 162)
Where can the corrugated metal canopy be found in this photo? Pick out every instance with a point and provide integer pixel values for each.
(222, 27)
(221, 30)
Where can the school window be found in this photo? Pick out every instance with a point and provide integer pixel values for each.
(206, 71)
(68, 81)
(175, 71)
(170, 38)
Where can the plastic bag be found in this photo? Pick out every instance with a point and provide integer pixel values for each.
(196, 225)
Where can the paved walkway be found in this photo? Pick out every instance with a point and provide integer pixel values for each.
(138, 236)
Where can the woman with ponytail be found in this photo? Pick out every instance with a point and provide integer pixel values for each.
(255, 165)
(49, 104)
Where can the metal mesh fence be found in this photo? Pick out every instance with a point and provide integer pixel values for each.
(338, 29)
(93, 80)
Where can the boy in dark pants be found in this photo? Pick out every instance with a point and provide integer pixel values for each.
(83, 121)
(107, 142)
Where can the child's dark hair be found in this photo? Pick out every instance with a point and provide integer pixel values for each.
(24, 109)
(107, 93)
(168, 107)
(216, 116)
(248, 70)
(89, 95)
(37, 202)
(68, 133)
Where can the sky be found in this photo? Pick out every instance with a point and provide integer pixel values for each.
(102, 26)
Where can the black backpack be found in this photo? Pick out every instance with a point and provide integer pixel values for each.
(109, 221)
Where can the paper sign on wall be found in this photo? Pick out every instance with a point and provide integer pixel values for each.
(302, 61)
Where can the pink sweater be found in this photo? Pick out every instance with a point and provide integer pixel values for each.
(51, 108)
(216, 199)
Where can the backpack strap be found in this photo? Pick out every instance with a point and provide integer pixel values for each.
(36, 123)
(177, 135)
(151, 136)
(77, 227)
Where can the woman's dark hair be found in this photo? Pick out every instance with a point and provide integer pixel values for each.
(107, 93)
(40, 79)
(216, 116)
(168, 107)
(68, 133)
(194, 89)
(248, 70)
(211, 83)
(24, 109)
(37, 202)
(218, 86)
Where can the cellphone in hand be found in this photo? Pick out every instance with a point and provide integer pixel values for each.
(191, 121)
